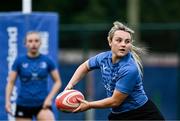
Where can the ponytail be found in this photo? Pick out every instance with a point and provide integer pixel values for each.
(136, 52)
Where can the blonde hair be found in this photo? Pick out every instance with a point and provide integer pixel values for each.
(136, 51)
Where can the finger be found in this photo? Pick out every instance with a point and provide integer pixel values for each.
(82, 101)
(9, 111)
(67, 88)
(76, 110)
(79, 99)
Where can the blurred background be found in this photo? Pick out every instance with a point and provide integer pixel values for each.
(83, 29)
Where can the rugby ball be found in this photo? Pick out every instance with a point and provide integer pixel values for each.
(67, 100)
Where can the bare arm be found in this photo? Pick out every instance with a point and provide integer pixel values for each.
(9, 88)
(81, 71)
(56, 86)
(116, 100)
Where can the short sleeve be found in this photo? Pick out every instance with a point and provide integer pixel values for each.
(15, 66)
(51, 65)
(93, 62)
(127, 80)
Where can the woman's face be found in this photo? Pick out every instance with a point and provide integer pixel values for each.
(120, 43)
(33, 43)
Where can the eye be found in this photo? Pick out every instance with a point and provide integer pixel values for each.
(119, 40)
(127, 41)
(30, 40)
(36, 40)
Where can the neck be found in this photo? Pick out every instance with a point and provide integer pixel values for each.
(115, 59)
(33, 54)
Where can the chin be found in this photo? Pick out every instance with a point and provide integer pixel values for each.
(121, 55)
(34, 52)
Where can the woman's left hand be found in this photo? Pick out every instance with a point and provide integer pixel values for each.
(84, 105)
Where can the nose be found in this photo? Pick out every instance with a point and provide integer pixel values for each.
(123, 43)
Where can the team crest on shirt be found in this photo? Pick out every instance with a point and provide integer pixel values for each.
(25, 65)
(104, 67)
(43, 65)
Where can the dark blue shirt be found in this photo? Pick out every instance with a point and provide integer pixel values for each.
(33, 75)
(122, 76)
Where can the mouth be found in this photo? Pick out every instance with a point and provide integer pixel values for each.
(34, 48)
(122, 50)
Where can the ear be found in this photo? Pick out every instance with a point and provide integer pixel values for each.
(24, 42)
(40, 42)
(109, 41)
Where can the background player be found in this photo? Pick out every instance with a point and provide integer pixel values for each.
(32, 70)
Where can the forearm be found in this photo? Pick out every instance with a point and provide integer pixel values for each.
(115, 100)
(104, 103)
(55, 89)
(57, 84)
(10, 84)
(9, 89)
(81, 71)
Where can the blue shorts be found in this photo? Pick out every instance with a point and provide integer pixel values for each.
(28, 112)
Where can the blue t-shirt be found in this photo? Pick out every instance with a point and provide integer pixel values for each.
(122, 76)
(33, 76)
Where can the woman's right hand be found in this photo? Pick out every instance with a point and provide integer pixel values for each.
(8, 107)
(69, 86)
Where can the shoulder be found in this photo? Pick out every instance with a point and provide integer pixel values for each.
(45, 57)
(129, 69)
(19, 61)
(103, 55)
(20, 58)
(48, 59)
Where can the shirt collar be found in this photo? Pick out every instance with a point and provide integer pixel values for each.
(123, 60)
